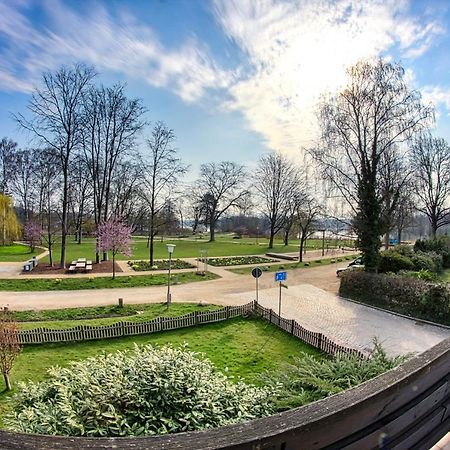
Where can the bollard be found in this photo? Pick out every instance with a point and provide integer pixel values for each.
(120, 302)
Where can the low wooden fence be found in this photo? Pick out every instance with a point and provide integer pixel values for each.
(120, 329)
(315, 339)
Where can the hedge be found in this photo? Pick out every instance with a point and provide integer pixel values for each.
(405, 295)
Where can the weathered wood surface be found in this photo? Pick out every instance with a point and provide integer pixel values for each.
(406, 408)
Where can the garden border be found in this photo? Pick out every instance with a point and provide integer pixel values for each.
(120, 329)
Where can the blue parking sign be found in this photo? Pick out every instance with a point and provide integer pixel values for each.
(280, 276)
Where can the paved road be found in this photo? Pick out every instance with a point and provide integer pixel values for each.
(349, 323)
(311, 300)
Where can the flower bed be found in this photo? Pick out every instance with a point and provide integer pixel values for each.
(162, 264)
(239, 260)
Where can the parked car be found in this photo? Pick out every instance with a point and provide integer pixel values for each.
(356, 264)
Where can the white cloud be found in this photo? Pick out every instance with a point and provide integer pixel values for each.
(121, 44)
(438, 96)
(297, 50)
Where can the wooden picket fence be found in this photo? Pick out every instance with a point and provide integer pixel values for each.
(317, 340)
(122, 328)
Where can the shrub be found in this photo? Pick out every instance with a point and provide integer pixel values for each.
(440, 245)
(411, 296)
(309, 379)
(146, 392)
(430, 261)
(391, 261)
(422, 274)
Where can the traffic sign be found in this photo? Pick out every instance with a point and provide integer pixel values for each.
(280, 276)
(256, 272)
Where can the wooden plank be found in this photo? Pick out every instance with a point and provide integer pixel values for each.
(397, 425)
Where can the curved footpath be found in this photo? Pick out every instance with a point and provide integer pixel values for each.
(311, 300)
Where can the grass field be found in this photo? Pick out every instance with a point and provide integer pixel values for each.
(72, 284)
(190, 247)
(95, 315)
(242, 347)
(343, 259)
(17, 253)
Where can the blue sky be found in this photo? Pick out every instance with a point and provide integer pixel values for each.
(233, 78)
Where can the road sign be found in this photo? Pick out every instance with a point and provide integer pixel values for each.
(280, 276)
(256, 272)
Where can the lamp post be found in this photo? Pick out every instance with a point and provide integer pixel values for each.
(170, 249)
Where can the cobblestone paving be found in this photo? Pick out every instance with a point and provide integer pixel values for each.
(349, 323)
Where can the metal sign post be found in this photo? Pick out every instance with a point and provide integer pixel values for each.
(256, 272)
(280, 277)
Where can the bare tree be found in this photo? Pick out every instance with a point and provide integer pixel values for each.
(7, 150)
(394, 181)
(275, 180)
(430, 158)
(22, 180)
(9, 345)
(56, 110)
(375, 112)
(162, 169)
(308, 211)
(47, 175)
(111, 124)
(221, 187)
(80, 194)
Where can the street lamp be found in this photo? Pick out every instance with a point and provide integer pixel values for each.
(170, 249)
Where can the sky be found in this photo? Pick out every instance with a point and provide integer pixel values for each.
(233, 78)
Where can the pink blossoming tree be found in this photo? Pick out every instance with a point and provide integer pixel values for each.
(32, 234)
(115, 236)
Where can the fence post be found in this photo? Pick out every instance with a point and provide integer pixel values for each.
(270, 315)
(292, 326)
(196, 317)
(160, 324)
(320, 342)
(227, 310)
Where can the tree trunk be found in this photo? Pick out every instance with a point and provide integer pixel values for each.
(399, 235)
(386, 240)
(212, 231)
(7, 381)
(300, 253)
(114, 265)
(152, 240)
(272, 234)
(286, 237)
(62, 262)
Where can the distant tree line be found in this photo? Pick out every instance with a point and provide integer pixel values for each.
(95, 156)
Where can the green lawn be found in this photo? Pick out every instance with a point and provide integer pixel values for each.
(70, 284)
(187, 248)
(17, 253)
(102, 315)
(242, 347)
(343, 259)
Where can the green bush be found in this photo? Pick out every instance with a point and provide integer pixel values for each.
(391, 261)
(422, 274)
(309, 379)
(404, 294)
(430, 261)
(439, 245)
(145, 392)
